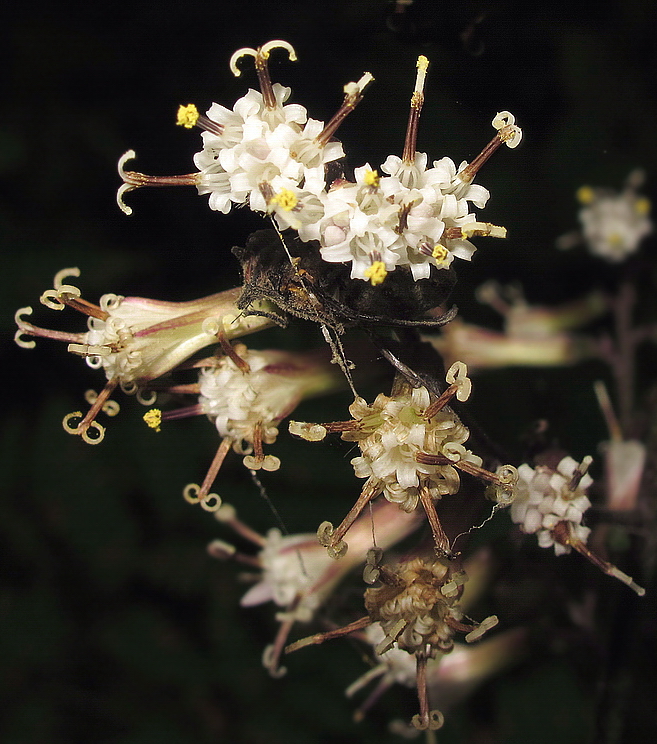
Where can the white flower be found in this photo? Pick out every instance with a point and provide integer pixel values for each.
(275, 147)
(614, 224)
(547, 497)
(394, 431)
(247, 401)
(134, 339)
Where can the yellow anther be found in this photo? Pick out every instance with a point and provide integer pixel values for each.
(376, 273)
(153, 418)
(371, 178)
(285, 199)
(585, 195)
(187, 116)
(422, 67)
(642, 206)
(440, 253)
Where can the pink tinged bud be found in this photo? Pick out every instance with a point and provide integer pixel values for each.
(481, 348)
(456, 674)
(624, 465)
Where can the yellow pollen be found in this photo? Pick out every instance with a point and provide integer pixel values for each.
(585, 195)
(376, 273)
(422, 62)
(187, 116)
(440, 253)
(285, 199)
(642, 206)
(153, 418)
(372, 179)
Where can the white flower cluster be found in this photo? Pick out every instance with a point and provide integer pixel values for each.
(273, 157)
(385, 220)
(259, 152)
(614, 223)
(393, 431)
(246, 403)
(546, 497)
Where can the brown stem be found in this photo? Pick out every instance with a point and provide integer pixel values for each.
(624, 361)
(422, 691)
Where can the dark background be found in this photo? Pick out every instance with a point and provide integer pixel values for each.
(114, 625)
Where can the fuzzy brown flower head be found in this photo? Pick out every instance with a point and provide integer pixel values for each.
(417, 606)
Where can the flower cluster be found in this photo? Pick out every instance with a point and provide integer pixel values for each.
(551, 503)
(613, 223)
(297, 574)
(246, 394)
(274, 157)
(135, 340)
(547, 496)
(411, 449)
(411, 216)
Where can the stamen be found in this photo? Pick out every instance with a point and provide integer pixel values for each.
(195, 495)
(353, 96)
(580, 472)
(417, 101)
(331, 538)
(315, 640)
(285, 199)
(507, 133)
(391, 637)
(28, 329)
(261, 57)
(228, 515)
(153, 419)
(133, 180)
(309, 432)
(483, 627)
(562, 533)
(189, 116)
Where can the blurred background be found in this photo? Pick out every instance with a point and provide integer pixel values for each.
(115, 626)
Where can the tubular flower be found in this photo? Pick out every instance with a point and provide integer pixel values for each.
(451, 676)
(297, 574)
(417, 611)
(551, 504)
(135, 340)
(411, 451)
(246, 394)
